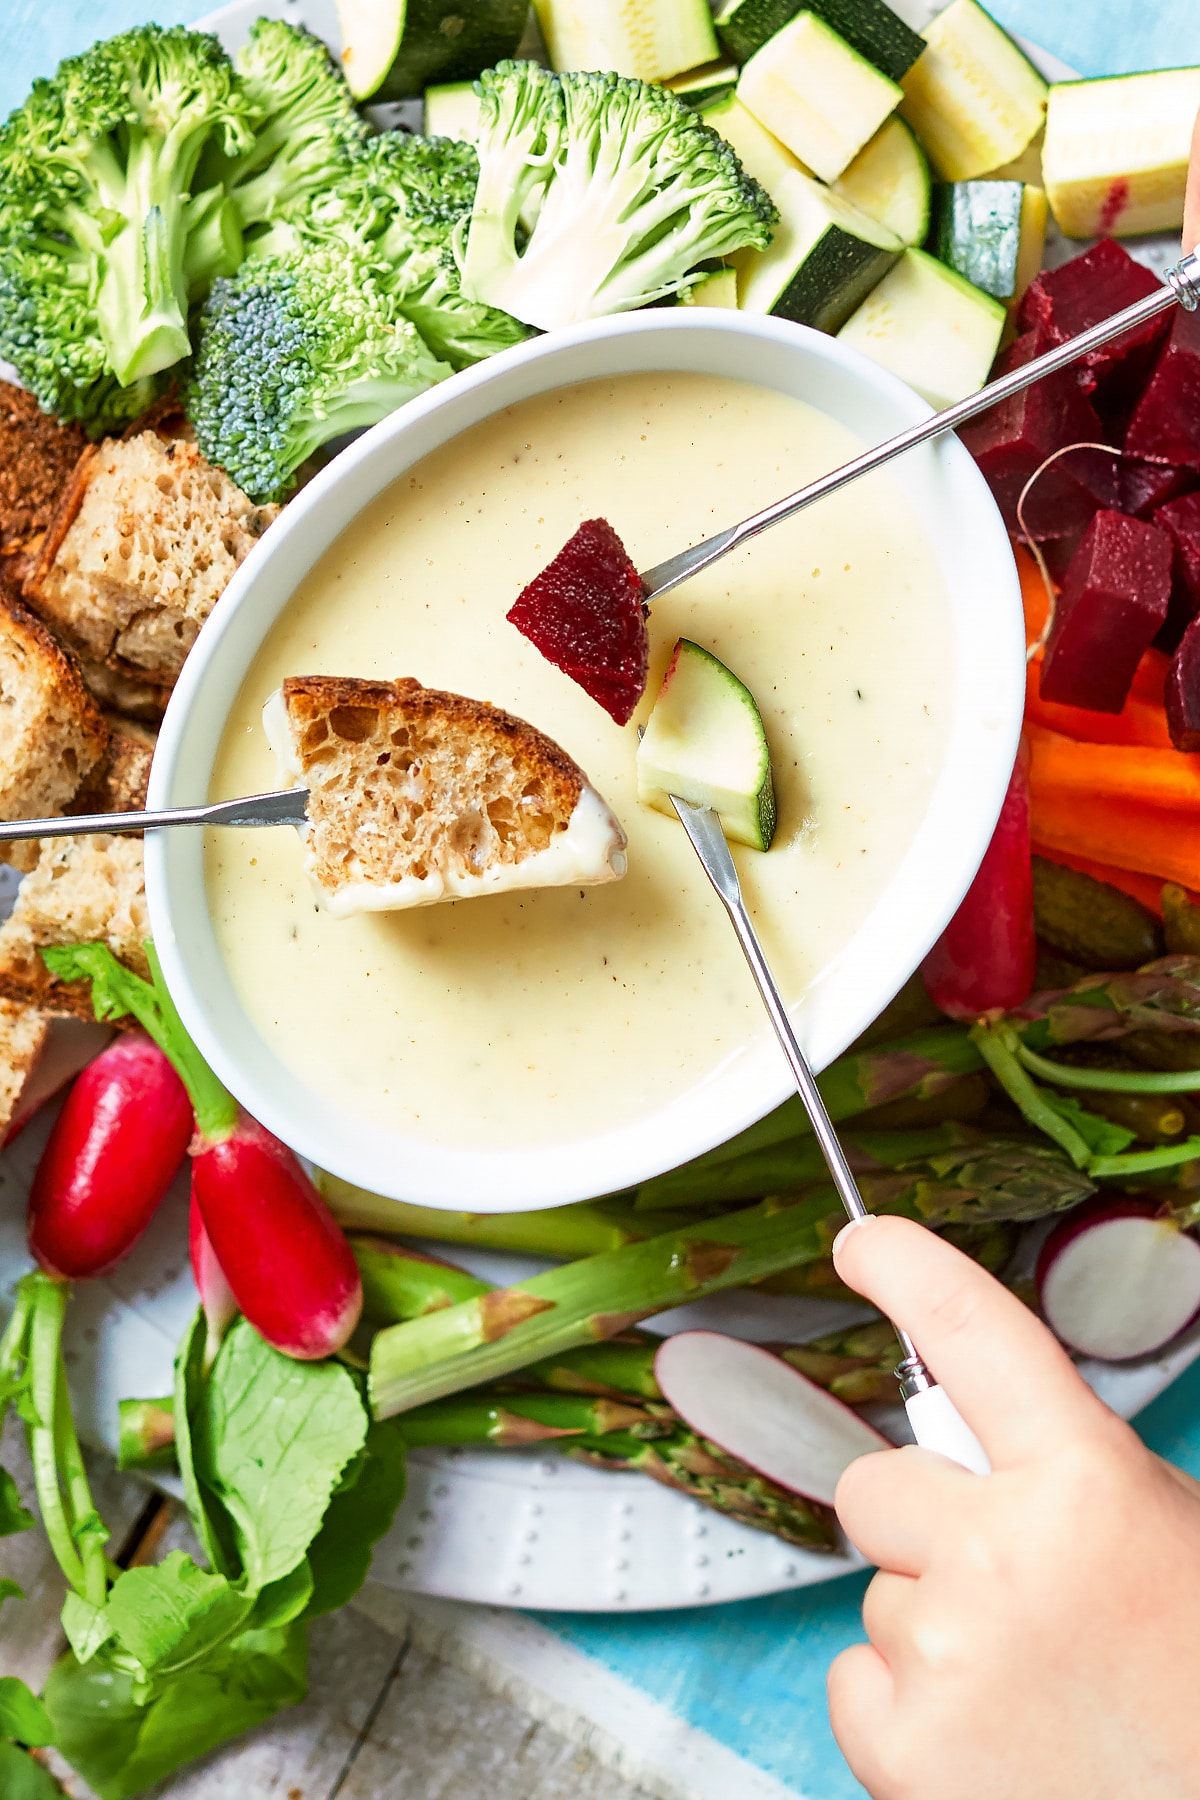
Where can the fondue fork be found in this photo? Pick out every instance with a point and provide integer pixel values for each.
(1181, 286)
(936, 1422)
(290, 807)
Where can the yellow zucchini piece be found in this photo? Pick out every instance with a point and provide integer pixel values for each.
(1116, 152)
(817, 95)
(974, 100)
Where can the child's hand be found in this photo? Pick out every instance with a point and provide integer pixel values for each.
(1191, 210)
(1035, 1633)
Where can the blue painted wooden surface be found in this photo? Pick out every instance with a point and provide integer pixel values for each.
(752, 1675)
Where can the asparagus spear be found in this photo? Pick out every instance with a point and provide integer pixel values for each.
(793, 1164)
(491, 1337)
(707, 1473)
(401, 1283)
(583, 1229)
(857, 1365)
(485, 1418)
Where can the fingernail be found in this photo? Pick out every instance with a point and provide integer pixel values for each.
(851, 1225)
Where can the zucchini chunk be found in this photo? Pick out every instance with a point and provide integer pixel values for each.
(760, 153)
(393, 49)
(973, 99)
(717, 289)
(452, 111)
(1116, 152)
(868, 26)
(705, 742)
(647, 38)
(928, 325)
(823, 261)
(890, 181)
(704, 87)
(817, 95)
(992, 232)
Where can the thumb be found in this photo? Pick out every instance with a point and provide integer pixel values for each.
(1009, 1377)
(1191, 209)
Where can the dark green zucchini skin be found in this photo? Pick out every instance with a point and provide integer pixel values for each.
(451, 40)
(975, 227)
(835, 278)
(868, 26)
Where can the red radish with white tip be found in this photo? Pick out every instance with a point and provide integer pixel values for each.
(1119, 1280)
(763, 1411)
(115, 1149)
(216, 1295)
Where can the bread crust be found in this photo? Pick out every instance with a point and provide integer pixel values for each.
(309, 697)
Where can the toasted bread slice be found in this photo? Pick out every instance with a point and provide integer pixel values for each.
(140, 551)
(128, 695)
(417, 796)
(23, 1035)
(53, 734)
(37, 455)
(82, 890)
(119, 780)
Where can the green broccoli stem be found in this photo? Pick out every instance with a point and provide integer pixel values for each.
(117, 992)
(692, 1465)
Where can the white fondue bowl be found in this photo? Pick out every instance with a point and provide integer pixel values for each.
(950, 498)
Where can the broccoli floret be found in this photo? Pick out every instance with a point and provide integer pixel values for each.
(96, 172)
(305, 123)
(622, 189)
(416, 191)
(296, 349)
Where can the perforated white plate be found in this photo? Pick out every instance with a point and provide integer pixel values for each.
(505, 1528)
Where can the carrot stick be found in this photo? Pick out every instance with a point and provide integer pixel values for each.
(1140, 721)
(1145, 888)
(1124, 833)
(1095, 775)
(1034, 598)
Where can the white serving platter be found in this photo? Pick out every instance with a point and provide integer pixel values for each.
(498, 1527)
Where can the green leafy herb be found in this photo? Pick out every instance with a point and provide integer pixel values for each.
(22, 1715)
(13, 1515)
(174, 1614)
(9, 1590)
(23, 1779)
(122, 1747)
(273, 1440)
(1102, 1136)
(361, 1510)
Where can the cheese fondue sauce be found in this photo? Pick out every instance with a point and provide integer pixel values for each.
(526, 1018)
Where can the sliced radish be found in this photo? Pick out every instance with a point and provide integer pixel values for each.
(762, 1411)
(1118, 1280)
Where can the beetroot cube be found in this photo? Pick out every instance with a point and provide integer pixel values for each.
(1063, 302)
(1012, 440)
(1166, 421)
(1181, 521)
(1145, 486)
(1113, 601)
(586, 615)
(1182, 694)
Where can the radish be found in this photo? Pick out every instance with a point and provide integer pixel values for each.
(286, 1260)
(216, 1295)
(762, 1411)
(986, 958)
(1118, 1279)
(115, 1149)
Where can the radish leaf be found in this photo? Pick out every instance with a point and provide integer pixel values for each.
(271, 1441)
